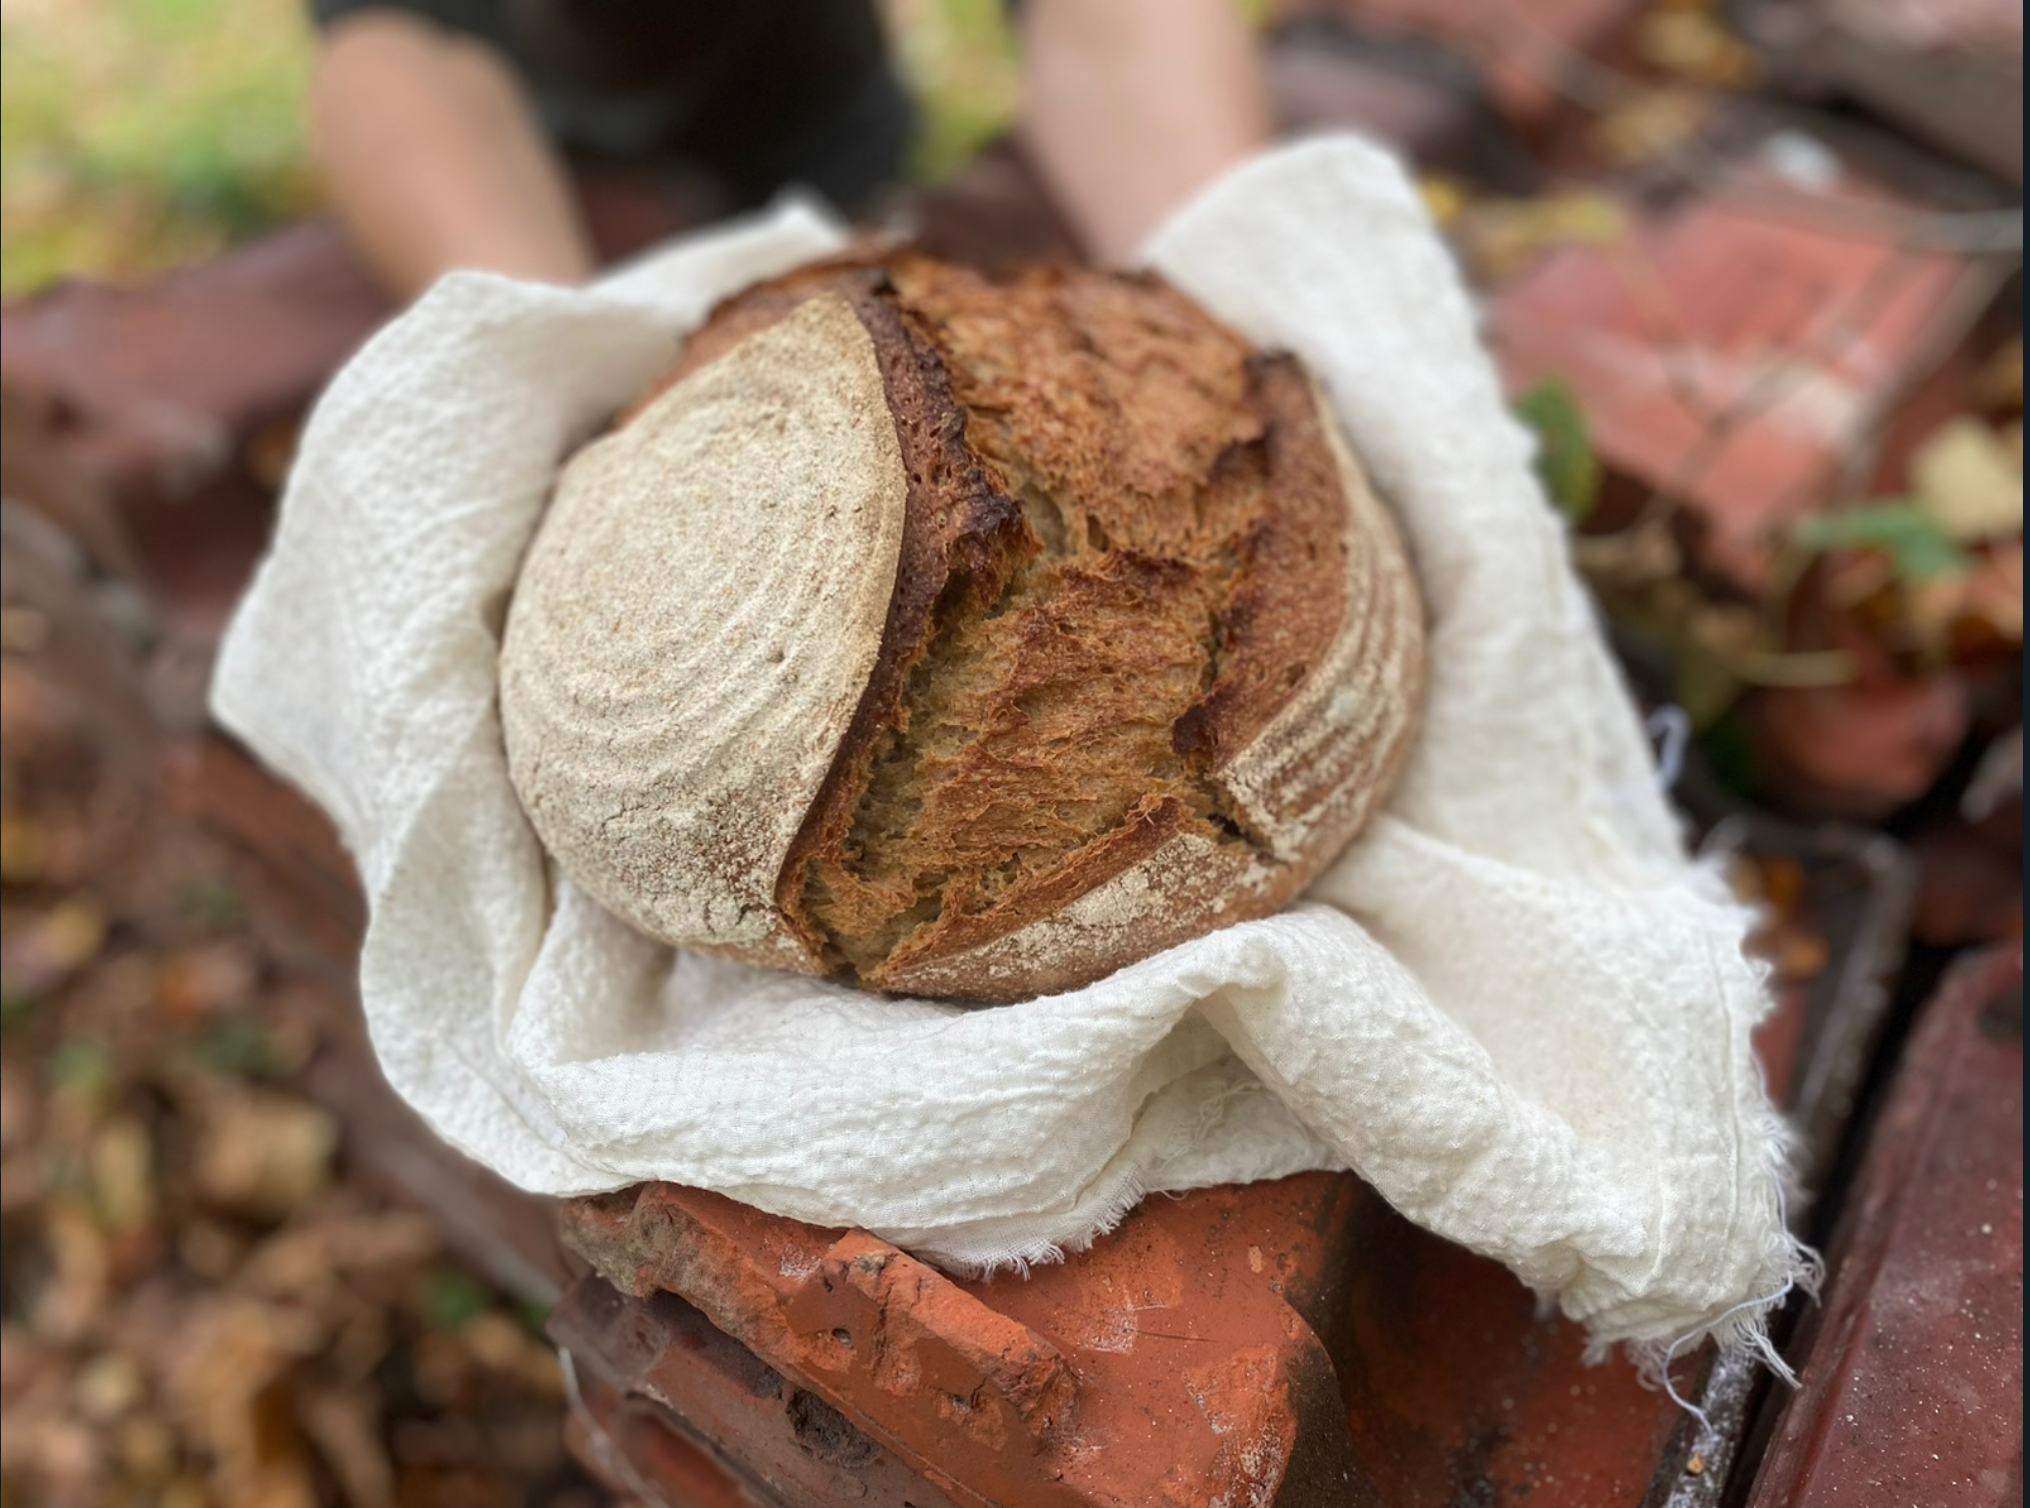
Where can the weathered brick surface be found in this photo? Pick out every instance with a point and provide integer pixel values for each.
(1176, 1356)
(1739, 349)
(1913, 1376)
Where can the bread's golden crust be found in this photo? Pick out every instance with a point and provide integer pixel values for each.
(1290, 597)
(1306, 780)
(1320, 659)
(1130, 560)
(1040, 722)
(960, 539)
(1160, 879)
(1302, 771)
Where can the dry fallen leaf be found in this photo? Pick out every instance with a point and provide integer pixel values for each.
(22, 849)
(1649, 123)
(147, 1450)
(123, 1177)
(1932, 610)
(1642, 556)
(199, 983)
(20, 1182)
(442, 1367)
(23, 1364)
(1444, 197)
(1499, 237)
(208, 1248)
(1993, 596)
(1689, 41)
(497, 1341)
(311, 1260)
(41, 952)
(1801, 955)
(228, 1385)
(281, 1483)
(67, 1457)
(1783, 882)
(33, 724)
(1850, 578)
(1968, 484)
(261, 1153)
(20, 1108)
(344, 1425)
(73, 1299)
(379, 1240)
(203, 1305)
(107, 1387)
(23, 630)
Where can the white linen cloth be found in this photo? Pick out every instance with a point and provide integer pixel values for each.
(1515, 1006)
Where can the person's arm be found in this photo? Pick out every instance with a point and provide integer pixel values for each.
(434, 160)
(1131, 106)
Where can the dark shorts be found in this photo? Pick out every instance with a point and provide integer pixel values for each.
(756, 95)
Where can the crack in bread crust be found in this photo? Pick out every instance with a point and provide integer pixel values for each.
(1117, 568)
(1131, 548)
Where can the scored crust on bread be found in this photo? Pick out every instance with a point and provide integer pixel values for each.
(1151, 655)
(1300, 787)
(682, 565)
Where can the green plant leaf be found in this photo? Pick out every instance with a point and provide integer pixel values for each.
(454, 1300)
(212, 902)
(1903, 531)
(534, 1314)
(1566, 461)
(1729, 751)
(237, 1048)
(81, 1067)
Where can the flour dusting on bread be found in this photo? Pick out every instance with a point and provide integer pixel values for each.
(694, 627)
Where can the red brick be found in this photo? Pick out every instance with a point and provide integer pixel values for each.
(1913, 1383)
(1736, 354)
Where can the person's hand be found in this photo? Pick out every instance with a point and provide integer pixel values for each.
(1131, 106)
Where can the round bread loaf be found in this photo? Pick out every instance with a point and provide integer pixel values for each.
(961, 636)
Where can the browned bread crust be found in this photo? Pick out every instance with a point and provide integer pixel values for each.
(1153, 651)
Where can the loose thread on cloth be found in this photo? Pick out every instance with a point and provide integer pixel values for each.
(1760, 1344)
(1022, 1256)
(1804, 1273)
(1122, 1202)
(1671, 726)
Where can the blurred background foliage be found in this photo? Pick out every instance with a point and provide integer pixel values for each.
(139, 134)
(136, 135)
(960, 58)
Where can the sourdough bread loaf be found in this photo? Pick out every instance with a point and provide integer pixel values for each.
(961, 636)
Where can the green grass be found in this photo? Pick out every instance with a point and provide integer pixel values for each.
(138, 134)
